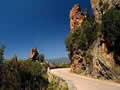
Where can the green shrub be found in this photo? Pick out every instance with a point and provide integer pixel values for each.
(27, 75)
(111, 25)
(62, 65)
(111, 31)
(83, 36)
(40, 58)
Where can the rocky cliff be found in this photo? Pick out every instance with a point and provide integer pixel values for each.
(103, 62)
(99, 7)
(103, 59)
(76, 17)
(79, 62)
(96, 60)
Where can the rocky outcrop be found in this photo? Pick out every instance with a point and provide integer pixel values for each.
(99, 7)
(98, 61)
(101, 64)
(103, 61)
(33, 54)
(76, 17)
(79, 59)
(80, 62)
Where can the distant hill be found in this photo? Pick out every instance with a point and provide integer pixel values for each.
(61, 60)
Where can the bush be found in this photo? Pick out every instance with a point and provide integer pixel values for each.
(111, 31)
(40, 58)
(23, 75)
(82, 37)
(111, 25)
(62, 65)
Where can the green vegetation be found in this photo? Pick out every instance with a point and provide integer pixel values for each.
(62, 65)
(83, 37)
(111, 25)
(52, 84)
(40, 58)
(55, 85)
(23, 75)
(111, 31)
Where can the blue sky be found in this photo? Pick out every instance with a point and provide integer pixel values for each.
(36, 23)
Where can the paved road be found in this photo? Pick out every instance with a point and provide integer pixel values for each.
(77, 82)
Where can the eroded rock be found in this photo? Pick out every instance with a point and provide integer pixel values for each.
(103, 62)
(76, 17)
(80, 62)
(33, 54)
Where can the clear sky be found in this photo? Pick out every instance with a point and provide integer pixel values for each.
(36, 23)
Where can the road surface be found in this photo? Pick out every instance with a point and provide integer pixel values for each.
(77, 82)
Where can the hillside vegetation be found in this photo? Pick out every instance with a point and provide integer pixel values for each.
(23, 75)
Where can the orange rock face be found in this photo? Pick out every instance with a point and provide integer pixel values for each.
(79, 62)
(76, 17)
(33, 54)
(103, 62)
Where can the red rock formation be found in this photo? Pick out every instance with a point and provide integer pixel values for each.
(33, 54)
(97, 61)
(76, 17)
(79, 62)
(103, 62)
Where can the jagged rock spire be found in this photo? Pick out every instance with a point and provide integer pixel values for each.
(76, 17)
(33, 54)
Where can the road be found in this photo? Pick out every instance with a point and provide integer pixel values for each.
(77, 82)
